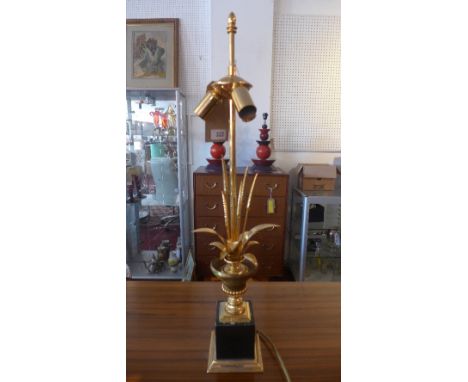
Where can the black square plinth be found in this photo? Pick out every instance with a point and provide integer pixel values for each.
(235, 340)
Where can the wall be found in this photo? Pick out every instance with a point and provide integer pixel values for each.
(253, 46)
(288, 160)
(254, 41)
(204, 57)
(309, 7)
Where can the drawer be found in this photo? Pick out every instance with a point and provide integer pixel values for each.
(203, 249)
(208, 206)
(213, 184)
(258, 207)
(269, 269)
(270, 247)
(214, 222)
(269, 255)
(279, 220)
(279, 184)
(203, 267)
(208, 185)
(213, 206)
(217, 223)
(266, 238)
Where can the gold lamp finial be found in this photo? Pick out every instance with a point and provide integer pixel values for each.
(232, 23)
(231, 29)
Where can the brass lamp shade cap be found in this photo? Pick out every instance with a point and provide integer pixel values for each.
(244, 104)
(206, 104)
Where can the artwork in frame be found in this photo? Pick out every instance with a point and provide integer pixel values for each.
(152, 53)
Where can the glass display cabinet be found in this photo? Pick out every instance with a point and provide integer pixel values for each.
(315, 235)
(157, 189)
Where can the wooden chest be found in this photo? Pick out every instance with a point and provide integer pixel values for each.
(208, 212)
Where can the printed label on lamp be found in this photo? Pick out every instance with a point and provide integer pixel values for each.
(218, 135)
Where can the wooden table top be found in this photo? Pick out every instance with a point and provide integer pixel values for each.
(169, 325)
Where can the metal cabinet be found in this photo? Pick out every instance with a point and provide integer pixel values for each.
(157, 194)
(315, 235)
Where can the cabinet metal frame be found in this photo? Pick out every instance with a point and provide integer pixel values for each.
(306, 199)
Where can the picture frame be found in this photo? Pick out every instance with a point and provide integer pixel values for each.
(152, 53)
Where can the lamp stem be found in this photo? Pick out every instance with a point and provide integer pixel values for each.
(232, 171)
(231, 29)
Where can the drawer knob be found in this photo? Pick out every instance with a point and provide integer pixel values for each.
(213, 207)
(210, 186)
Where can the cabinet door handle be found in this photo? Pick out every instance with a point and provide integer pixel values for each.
(270, 187)
(212, 227)
(213, 207)
(211, 186)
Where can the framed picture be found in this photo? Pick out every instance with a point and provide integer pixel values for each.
(152, 53)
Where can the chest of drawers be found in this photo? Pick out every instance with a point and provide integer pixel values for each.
(208, 212)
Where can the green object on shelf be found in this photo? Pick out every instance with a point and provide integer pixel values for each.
(157, 150)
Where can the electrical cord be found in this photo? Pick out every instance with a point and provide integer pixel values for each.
(271, 346)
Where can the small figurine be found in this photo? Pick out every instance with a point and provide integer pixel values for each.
(171, 116)
(173, 261)
(164, 249)
(156, 114)
(263, 150)
(155, 265)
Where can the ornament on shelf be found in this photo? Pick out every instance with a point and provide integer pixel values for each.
(173, 261)
(171, 116)
(156, 114)
(217, 152)
(263, 150)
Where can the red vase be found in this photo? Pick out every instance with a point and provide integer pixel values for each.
(217, 151)
(263, 152)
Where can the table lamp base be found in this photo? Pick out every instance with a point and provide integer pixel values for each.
(254, 365)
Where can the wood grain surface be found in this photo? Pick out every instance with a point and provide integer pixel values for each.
(169, 324)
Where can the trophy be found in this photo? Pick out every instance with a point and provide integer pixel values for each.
(235, 344)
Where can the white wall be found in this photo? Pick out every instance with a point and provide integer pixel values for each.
(204, 57)
(288, 160)
(253, 44)
(309, 7)
(254, 41)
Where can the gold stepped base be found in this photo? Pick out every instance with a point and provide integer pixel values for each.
(234, 365)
